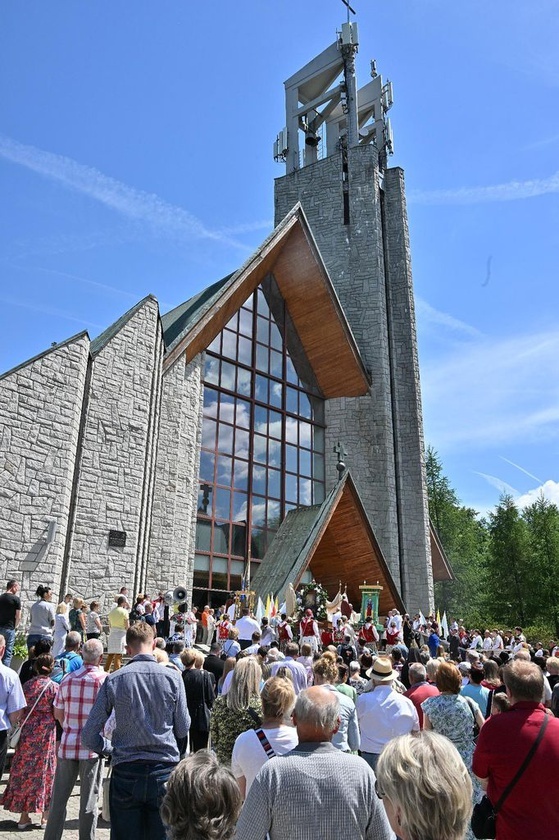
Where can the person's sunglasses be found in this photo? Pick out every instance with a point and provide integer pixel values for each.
(378, 790)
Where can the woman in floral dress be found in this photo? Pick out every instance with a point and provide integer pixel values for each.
(454, 716)
(29, 787)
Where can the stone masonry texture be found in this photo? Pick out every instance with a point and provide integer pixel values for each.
(384, 449)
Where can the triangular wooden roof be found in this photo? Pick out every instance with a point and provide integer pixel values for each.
(291, 255)
(442, 570)
(337, 542)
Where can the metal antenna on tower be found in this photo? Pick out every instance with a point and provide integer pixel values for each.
(349, 9)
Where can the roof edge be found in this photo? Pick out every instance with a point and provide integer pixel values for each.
(44, 353)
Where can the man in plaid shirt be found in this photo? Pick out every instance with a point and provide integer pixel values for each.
(72, 706)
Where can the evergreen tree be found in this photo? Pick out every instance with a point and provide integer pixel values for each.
(542, 520)
(509, 563)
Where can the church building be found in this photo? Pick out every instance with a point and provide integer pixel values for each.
(266, 432)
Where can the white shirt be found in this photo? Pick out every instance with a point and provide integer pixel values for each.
(246, 627)
(383, 714)
(497, 643)
(488, 643)
(336, 618)
(475, 642)
(249, 755)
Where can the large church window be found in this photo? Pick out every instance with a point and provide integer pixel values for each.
(262, 441)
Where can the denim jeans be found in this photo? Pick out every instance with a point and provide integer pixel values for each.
(10, 636)
(370, 758)
(33, 638)
(136, 791)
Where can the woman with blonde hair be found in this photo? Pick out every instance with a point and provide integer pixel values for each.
(425, 788)
(61, 628)
(276, 736)
(199, 686)
(228, 667)
(240, 709)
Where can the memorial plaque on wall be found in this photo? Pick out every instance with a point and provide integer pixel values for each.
(117, 539)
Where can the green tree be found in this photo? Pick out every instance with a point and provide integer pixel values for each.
(542, 521)
(464, 539)
(509, 563)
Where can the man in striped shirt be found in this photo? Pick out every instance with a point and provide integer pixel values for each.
(72, 706)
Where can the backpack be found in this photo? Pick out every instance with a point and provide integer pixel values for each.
(61, 666)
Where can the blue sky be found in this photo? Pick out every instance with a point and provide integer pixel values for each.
(136, 156)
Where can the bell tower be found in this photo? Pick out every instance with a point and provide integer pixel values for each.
(335, 146)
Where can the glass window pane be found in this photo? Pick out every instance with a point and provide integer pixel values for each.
(228, 372)
(241, 475)
(219, 564)
(274, 483)
(201, 580)
(262, 358)
(318, 467)
(234, 584)
(220, 580)
(207, 461)
(260, 419)
(233, 323)
(276, 393)
(291, 400)
(261, 388)
(262, 330)
(274, 453)
(290, 372)
(276, 340)
(305, 491)
(227, 408)
(229, 344)
(245, 351)
(259, 480)
(305, 435)
(211, 370)
(243, 414)
(209, 428)
(240, 507)
(305, 408)
(241, 443)
(273, 520)
(244, 378)
(258, 511)
(221, 538)
(224, 470)
(260, 446)
(291, 430)
(225, 439)
(305, 462)
(317, 407)
(291, 458)
(201, 563)
(318, 492)
(258, 543)
(203, 539)
(215, 346)
(291, 488)
(205, 499)
(237, 567)
(222, 503)
(245, 322)
(318, 439)
(210, 402)
(276, 364)
(248, 304)
(275, 424)
(238, 542)
(261, 305)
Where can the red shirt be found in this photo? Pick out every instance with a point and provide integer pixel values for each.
(530, 810)
(418, 693)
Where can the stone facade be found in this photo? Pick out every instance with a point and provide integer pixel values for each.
(367, 257)
(40, 414)
(176, 484)
(116, 459)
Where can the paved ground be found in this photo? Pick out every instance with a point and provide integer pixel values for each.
(9, 829)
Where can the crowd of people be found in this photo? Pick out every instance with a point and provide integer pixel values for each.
(220, 726)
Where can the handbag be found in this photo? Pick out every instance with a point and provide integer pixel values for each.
(15, 732)
(484, 815)
(106, 785)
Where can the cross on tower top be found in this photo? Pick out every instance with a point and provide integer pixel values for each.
(341, 452)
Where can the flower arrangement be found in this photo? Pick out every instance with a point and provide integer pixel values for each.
(312, 596)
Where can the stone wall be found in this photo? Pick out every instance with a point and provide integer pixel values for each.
(173, 527)
(413, 510)
(40, 412)
(382, 432)
(113, 487)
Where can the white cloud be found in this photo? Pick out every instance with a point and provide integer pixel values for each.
(163, 217)
(510, 191)
(428, 316)
(493, 392)
(498, 483)
(549, 489)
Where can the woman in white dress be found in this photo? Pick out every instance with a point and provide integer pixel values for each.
(61, 627)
